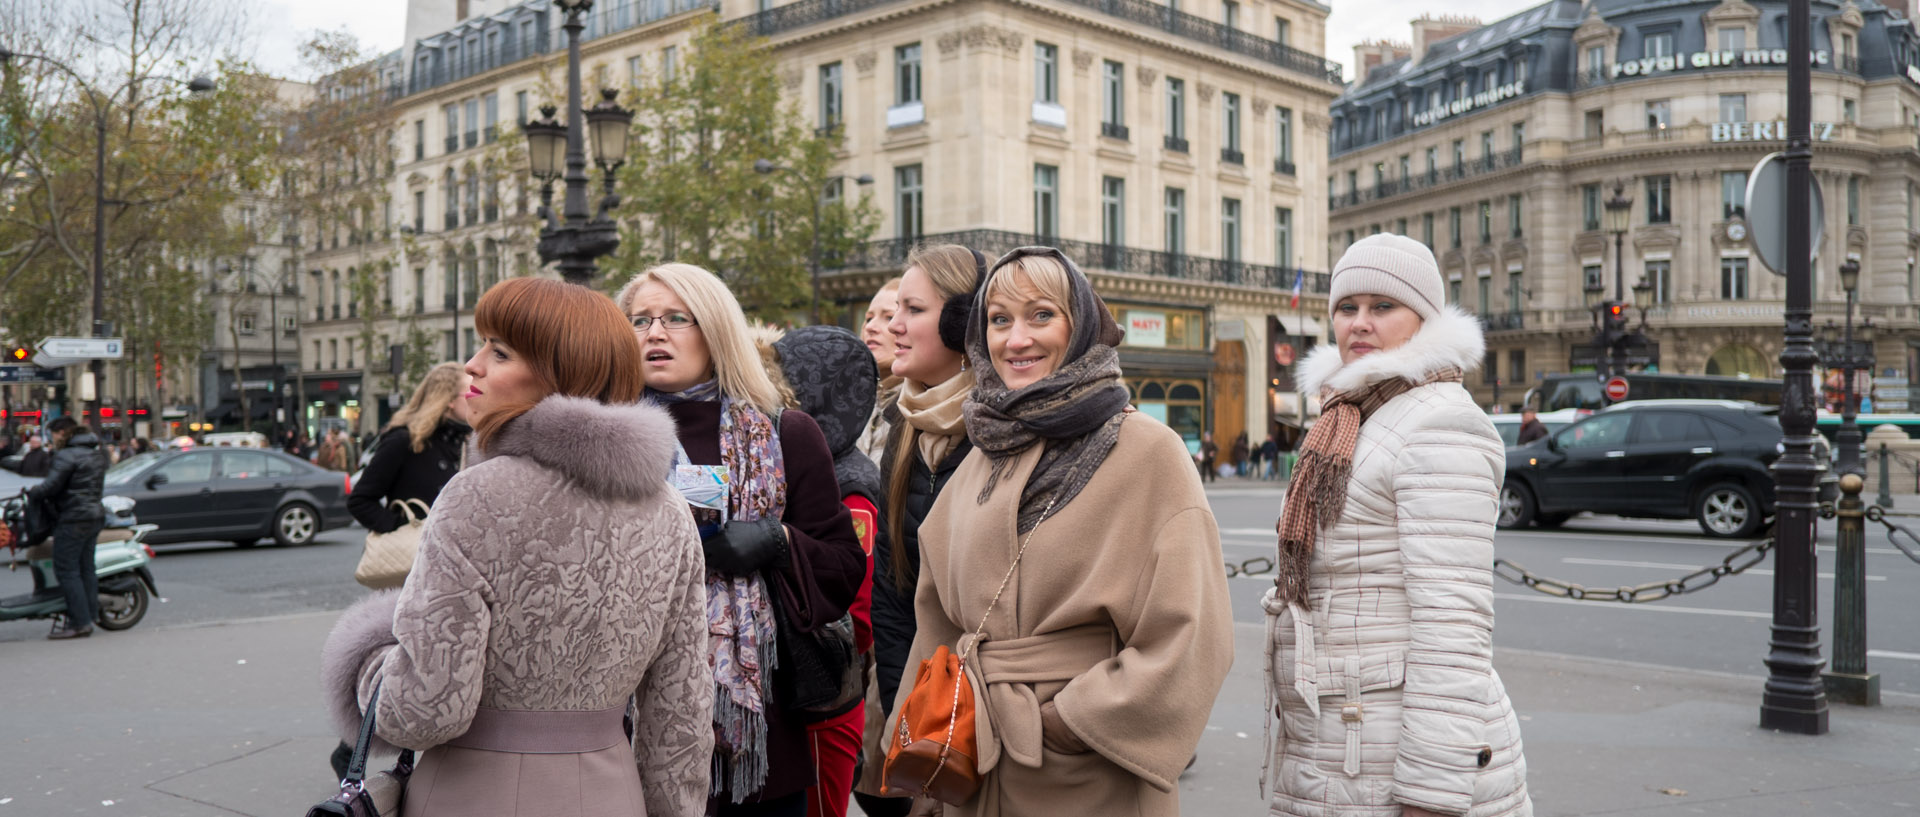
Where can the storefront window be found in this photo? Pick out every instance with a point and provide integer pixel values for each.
(1162, 328)
(1181, 404)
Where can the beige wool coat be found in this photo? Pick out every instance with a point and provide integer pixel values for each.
(1385, 684)
(556, 579)
(1118, 614)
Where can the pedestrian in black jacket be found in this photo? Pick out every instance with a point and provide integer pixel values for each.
(74, 484)
(417, 453)
(37, 460)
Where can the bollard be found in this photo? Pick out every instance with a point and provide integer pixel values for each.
(1849, 681)
(1885, 499)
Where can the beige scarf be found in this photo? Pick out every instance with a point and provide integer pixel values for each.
(935, 411)
(1318, 492)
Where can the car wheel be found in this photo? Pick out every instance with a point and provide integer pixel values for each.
(122, 610)
(1551, 520)
(1728, 510)
(295, 524)
(1516, 505)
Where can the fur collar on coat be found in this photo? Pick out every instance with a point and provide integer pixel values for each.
(614, 451)
(1450, 339)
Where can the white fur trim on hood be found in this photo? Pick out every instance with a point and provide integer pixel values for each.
(1450, 339)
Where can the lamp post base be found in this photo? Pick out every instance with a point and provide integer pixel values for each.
(1847, 688)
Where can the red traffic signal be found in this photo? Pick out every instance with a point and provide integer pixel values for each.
(19, 354)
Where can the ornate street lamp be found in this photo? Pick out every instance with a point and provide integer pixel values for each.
(1619, 211)
(574, 237)
(1643, 300)
(1849, 680)
(766, 166)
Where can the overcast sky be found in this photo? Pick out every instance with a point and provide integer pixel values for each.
(281, 25)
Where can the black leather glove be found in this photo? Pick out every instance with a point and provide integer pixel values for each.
(741, 547)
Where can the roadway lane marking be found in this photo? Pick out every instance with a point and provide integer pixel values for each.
(1900, 656)
(1592, 536)
(1760, 571)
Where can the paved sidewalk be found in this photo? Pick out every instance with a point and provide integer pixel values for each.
(225, 720)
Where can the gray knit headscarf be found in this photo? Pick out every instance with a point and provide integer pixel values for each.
(1075, 411)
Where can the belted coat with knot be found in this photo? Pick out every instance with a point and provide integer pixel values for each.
(1118, 614)
(1385, 682)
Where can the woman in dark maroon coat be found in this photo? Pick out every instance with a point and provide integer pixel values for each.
(775, 532)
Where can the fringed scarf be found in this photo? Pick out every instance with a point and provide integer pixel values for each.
(935, 412)
(740, 626)
(1318, 493)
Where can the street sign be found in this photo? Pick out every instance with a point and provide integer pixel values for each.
(47, 361)
(25, 373)
(1767, 212)
(82, 348)
(1617, 389)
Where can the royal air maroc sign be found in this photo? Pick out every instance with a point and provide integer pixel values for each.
(1459, 106)
(1711, 59)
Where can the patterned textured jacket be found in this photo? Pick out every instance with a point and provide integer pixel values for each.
(1386, 688)
(559, 574)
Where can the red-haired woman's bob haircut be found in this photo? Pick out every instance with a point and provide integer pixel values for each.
(574, 339)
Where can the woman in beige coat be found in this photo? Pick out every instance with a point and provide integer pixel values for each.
(1380, 628)
(558, 578)
(1101, 661)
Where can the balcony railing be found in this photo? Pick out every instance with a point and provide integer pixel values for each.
(1283, 167)
(1176, 144)
(1433, 178)
(453, 144)
(891, 253)
(1156, 15)
(491, 212)
(450, 302)
(1232, 157)
(1503, 322)
(473, 138)
(1849, 63)
(1113, 130)
(491, 134)
(453, 219)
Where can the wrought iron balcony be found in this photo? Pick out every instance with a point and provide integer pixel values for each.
(1113, 130)
(1283, 167)
(453, 218)
(453, 144)
(1232, 157)
(1176, 144)
(1102, 257)
(1504, 321)
(473, 138)
(491, 134)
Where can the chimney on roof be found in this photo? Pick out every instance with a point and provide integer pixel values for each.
(1373, 53)
(1429, 29)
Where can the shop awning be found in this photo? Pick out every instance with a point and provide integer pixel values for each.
(1303, 325)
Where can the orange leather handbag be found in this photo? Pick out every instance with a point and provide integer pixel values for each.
(935, 752)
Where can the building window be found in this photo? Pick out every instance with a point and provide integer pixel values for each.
(1426, 229)
(1733, 107)
(1176, 210)
(1459, 155)
(1514, 215)
(1595, 126)
(1659, 199)
(1516, 366)
(1230, 13)
(1230, 229)
(1113, 99)
(669, 63)
(419, 290)
(1406, 167)
(1400, 227)
(1732, 38)
(492, 132)
(1657, 45)
(419, 211)
(906, 83)
(1733, 194)
(1484, 291)
(1433, 163)
(419, 139)
(473, 122)
(1453, 227)
(1596, 62)
(1046, 201)
(1733, 279)
(453, 127)
(1590, 207)
(636, 70)
(1592, 278)
(1660, 275)
(1230, 122)
(1519, 138)
(1046, 73)
(1659, 114)
(1283, 138)
(245, 321)
(452, 340)
(1282, 30)
(831, 101)
(1282, 236)
(1849, 111)
(1516, 289)
(521, 112)
(1113, 211)
(1486, 221)
(1177, 114)
(1853, 201)
(907, 202)
(1453, 291)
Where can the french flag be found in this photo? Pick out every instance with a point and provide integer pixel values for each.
(1299, 278)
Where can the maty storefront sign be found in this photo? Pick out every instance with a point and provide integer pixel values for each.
(1765, 131)
(1436, 113)
(1712, 59)
(1146, 328)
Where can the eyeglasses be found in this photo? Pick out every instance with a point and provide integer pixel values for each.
(673, 321)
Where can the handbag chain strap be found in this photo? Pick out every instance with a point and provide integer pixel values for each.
(953, 711)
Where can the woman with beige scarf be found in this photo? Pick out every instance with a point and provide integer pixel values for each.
(1380, 626)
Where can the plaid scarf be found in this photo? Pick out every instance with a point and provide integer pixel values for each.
(1318, 494)
(740, 626)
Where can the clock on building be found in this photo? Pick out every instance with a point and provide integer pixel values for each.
(1736, 231)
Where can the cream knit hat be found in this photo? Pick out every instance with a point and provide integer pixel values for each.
(1392, 265)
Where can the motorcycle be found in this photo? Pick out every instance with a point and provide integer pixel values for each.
(120, 560)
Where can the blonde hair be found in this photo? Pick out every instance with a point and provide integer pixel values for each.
(428, 405)
(1039, 273)
(891, 285)
(735, 360)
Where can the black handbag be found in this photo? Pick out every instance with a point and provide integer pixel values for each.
(383, 795)
(820, 673)
(39, 519)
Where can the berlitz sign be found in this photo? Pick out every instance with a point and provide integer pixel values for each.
(1441, 111)
(1765, 131)
(1711, 59)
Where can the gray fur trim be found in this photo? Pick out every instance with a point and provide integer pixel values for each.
(1451, 339)
(363, 630)
(618, 451)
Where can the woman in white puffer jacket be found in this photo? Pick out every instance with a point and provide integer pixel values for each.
(1380, 626)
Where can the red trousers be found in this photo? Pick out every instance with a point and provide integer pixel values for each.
(836, 748)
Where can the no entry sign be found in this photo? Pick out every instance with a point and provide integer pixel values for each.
(1617, 389)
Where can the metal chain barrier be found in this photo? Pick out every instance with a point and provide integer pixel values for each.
(1901, 537)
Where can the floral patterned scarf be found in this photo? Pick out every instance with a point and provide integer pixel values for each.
(740, 626)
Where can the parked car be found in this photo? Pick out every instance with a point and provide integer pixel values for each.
(237, 494)
(1706, 460)
(1509, 424)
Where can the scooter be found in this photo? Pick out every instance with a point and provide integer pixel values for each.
(120, 559)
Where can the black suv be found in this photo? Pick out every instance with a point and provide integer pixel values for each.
(1707, 460)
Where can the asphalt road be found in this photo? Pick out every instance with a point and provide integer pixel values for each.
(1722, 628)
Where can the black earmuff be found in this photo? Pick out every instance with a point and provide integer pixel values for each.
(953, 314)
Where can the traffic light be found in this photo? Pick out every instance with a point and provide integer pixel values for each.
(19, 354)
(1616, 316)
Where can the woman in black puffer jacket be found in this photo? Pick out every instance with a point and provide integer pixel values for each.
(417, 453)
